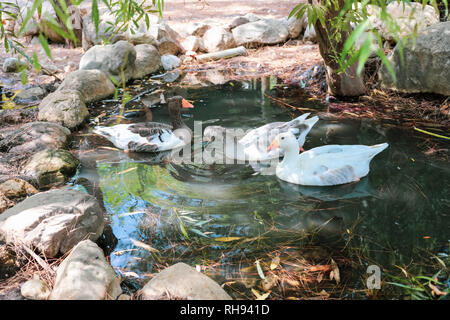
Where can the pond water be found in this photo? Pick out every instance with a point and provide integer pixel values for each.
(224, 217)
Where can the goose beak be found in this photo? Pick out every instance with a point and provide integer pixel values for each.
(301, 149)
(273, 145)
(186, 104)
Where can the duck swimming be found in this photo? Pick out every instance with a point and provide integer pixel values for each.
(253, 145)
(323, 166)
(151, 136)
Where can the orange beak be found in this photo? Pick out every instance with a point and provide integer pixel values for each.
(273, 145)
(186, 104)
(301, 149)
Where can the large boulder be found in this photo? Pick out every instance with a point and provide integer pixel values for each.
(115, 60)
(218, 39)
(193, 43)
(94, 85)
(295, 26)
(51, 167)
(53, 222)
(409, 17)
(426, 66)
(148, 60)
(34, 137)
(261, 32)
(181, 281)
(65, 107)
(168, 40)
(86, 275)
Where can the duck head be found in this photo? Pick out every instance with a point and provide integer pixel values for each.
(303, 130)
(286, 141)
(175, 104)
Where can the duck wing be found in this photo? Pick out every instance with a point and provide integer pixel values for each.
(141, 137)
(268, 132)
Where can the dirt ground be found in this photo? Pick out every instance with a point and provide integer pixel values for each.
(286, 61)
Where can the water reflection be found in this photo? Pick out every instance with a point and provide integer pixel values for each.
(404, 198)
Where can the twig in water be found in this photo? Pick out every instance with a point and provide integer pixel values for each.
(432, 134)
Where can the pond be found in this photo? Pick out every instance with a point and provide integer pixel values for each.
(225, 217)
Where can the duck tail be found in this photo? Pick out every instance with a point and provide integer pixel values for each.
(377, 148)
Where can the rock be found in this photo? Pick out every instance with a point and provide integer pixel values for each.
(8, 262)
(5, 203)
(53, 222)
(261, 32)
(170, 62)
(236, 22)
(90, 38)
(17, 188)
(124, 296)
(408, 16)
(51, 167)
(218, 39)
(86, 275)
(168, 40)
(310, 34)
(14, 65)
(181, 281)
(30, 94)
(295, 26)
(114, 60)
(198, 29)
(426, 66)
(252, 17)
(35, 289)
(49, 69)
(94, 85)
(34, 137)
(65, 107)
(193, 43)
(148, 60)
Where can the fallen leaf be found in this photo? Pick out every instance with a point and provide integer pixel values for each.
(275, 263)
(227, 239)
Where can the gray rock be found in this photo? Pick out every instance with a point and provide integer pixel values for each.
(198, 29)
(310, 34)
(426, 66)
(170, 62)
(94, 85)
(261, 32)
(90, 38)
(30, 94)
(53, 222)
(35, 289)
(252, 17)
(65, 107)
(181, 281)
(34, 137)
(148, 60)
(237, 21)
(218, 39)
(409, 17)
(115, 60)
(5, 203)
(51, 167)
(86, 275)
(295, 26)
(193, 43)
(13, 65)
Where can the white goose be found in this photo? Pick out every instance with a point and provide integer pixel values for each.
(151, 136)
(323, 166)
(253, 145)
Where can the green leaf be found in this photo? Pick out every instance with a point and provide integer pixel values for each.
(364, 53)
(45, 46)
(95, 15)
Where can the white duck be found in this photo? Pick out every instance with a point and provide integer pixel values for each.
(151, 136)
(323, 166)
(253, 145)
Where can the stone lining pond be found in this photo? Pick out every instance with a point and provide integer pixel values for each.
(223, 218)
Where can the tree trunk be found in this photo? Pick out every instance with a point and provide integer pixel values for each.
(346, 83)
